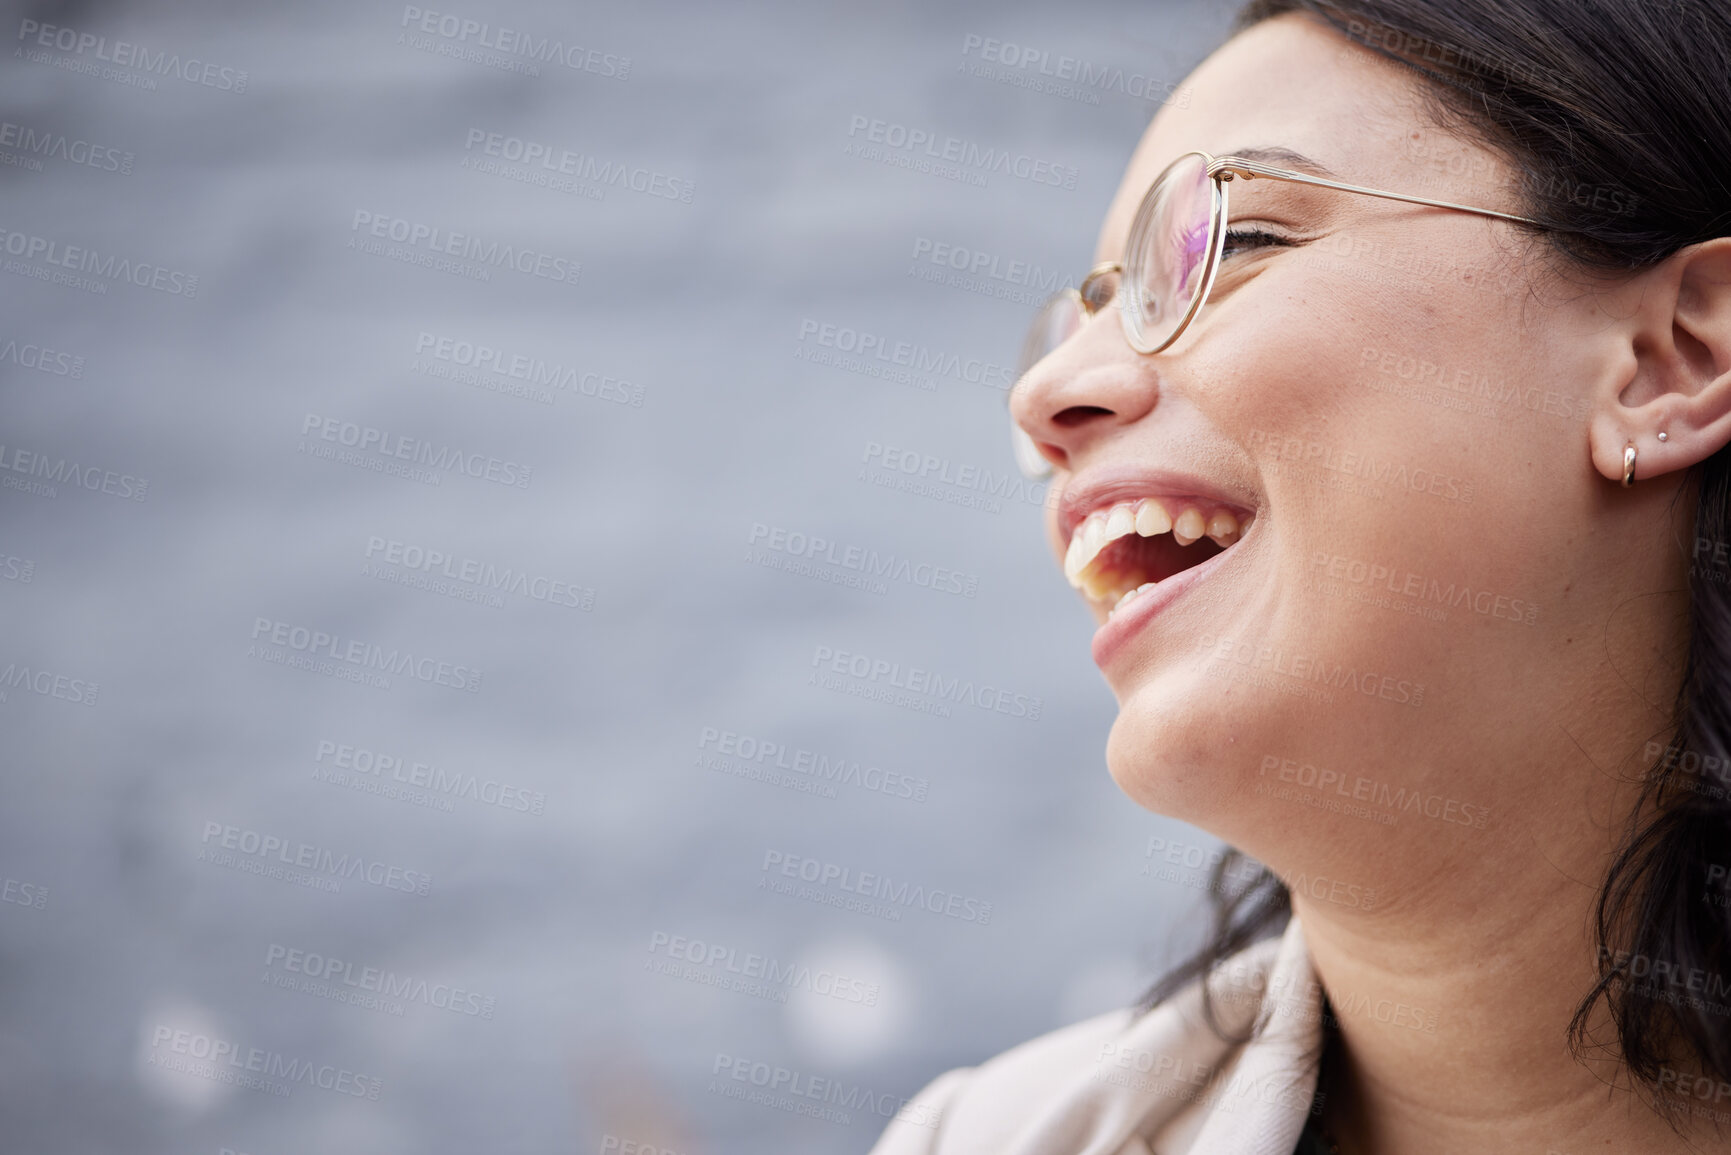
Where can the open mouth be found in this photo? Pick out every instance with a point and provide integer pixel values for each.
(1125, 549)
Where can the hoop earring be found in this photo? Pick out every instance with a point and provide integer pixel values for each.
(1628, 465)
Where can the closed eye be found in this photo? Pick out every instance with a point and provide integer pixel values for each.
(1246, 240)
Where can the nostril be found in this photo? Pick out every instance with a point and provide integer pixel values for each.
(1077, 414)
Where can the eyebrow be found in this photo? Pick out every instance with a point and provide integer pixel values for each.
(1284, 158)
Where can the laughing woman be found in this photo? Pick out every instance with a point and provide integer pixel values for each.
(1390, 429)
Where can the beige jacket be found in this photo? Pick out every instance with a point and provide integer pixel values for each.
(1161, 1084)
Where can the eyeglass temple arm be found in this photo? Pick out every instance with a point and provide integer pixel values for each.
(1230, 166)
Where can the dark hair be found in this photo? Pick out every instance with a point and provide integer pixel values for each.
(1615, 116)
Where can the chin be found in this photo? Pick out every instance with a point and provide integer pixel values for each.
(1176, 749)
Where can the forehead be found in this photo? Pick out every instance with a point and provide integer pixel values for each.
(1293, 83)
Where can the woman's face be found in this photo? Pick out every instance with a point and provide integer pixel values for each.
(1395, 398)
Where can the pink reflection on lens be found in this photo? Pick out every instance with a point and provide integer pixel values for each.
(1191, 241)
(1192, 244)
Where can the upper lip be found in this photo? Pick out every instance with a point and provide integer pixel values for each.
(1105, 487)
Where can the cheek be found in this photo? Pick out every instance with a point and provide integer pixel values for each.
(1398, 565)
(1367, 407)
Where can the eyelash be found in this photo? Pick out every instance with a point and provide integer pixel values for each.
(1250, 238)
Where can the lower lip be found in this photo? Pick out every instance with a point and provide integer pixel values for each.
(1124, 625)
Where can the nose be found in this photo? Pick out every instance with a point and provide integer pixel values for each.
(1088, 389)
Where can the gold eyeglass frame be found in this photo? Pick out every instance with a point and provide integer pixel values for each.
(1090, 298)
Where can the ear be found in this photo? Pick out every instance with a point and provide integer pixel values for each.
(1677, 380)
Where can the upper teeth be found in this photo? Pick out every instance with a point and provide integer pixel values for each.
(1146, 517)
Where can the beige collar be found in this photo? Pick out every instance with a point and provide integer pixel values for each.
(1110, 1084)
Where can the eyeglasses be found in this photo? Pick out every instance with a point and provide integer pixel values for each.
(1170, 259)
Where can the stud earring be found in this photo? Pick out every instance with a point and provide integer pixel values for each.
(1663, 436)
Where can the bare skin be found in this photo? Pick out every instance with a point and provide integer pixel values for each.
(1418, 344)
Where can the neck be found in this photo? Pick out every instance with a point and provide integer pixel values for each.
(1457, 1039)
(1456, 994)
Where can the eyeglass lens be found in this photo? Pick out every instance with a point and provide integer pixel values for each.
(1055, 323)
(1166, 259)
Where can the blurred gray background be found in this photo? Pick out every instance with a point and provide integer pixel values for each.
(233, 755)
